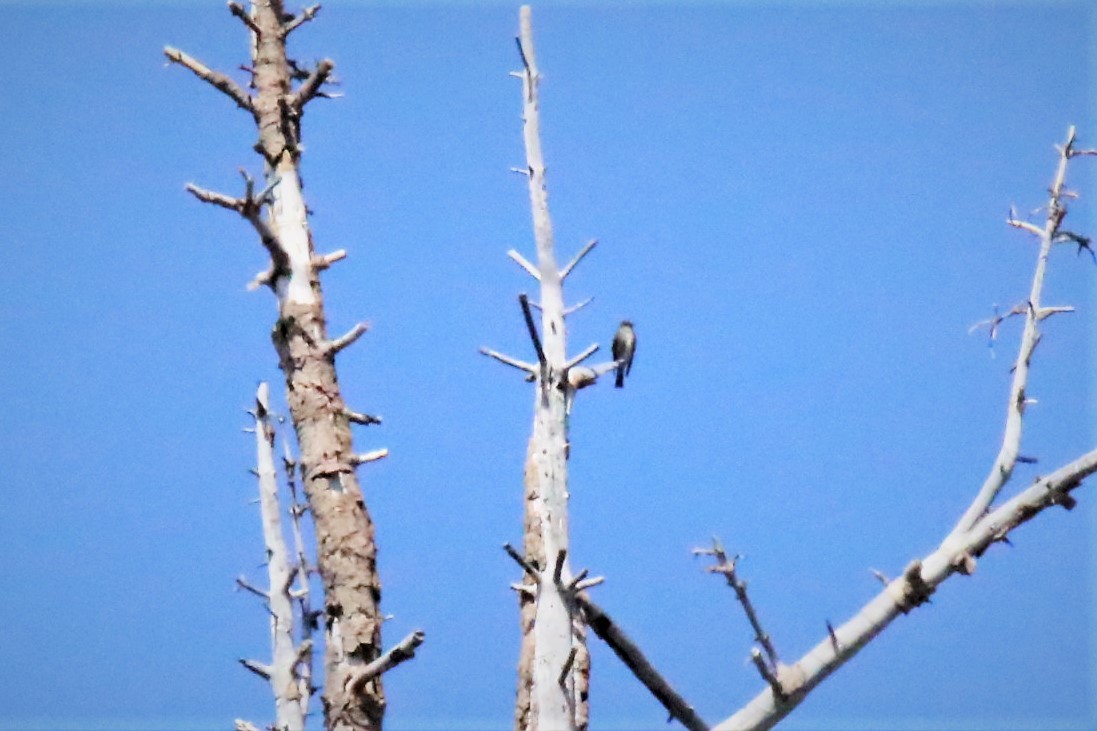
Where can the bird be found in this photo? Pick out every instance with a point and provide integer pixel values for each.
(624, 349)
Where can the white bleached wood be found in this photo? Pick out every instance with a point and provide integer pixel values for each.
(290, 705)
(556, 699)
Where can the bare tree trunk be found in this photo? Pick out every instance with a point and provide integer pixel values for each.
(346, 552)
(554, 666)
(289, 670)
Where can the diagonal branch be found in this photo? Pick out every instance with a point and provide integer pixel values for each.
(399, 653)
(634, 659)
(578, 258)
(921, 578)
(578, 306)
(344, 341)
(524, 263)
(523, 300)
(727, 567)
(576, 360)
(238, 10)
(250, 207)
(1004, 463)
(305, 16)
(310, 87)
(218, 80)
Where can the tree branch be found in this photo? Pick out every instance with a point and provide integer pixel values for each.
(634, 659)
(1002, 468)
(576, 307)
(727, 567)
(402, 652)
(954, 555)
(346, 340)
(303, 17)
(589, 351)
(523, 300)
(360, 418)
(219, 81)
(375, 455)
(238, 10)
(578, 258)
(310, 87)
(524, 263)
(512, 362)
(250, 207)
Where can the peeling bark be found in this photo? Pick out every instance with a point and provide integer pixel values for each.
(346, 552)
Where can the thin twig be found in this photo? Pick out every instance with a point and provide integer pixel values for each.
(529, 568)
(727, 567)
(578, 306)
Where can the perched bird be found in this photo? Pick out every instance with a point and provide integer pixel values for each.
(624, 348)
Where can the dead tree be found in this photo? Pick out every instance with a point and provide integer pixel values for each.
(287, 595)
(554, 663)
(276, 98)
(981, 526)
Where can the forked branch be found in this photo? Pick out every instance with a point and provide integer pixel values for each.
(977, 530)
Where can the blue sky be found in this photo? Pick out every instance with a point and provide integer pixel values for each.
(800, 205)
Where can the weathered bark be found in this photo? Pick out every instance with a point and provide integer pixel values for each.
(346, 553)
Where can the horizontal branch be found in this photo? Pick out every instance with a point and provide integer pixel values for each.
(634, 659)
(375, 455)
(512, 362)
(218, 80)
(360, 418)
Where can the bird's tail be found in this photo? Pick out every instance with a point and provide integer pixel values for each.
(620, 382)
